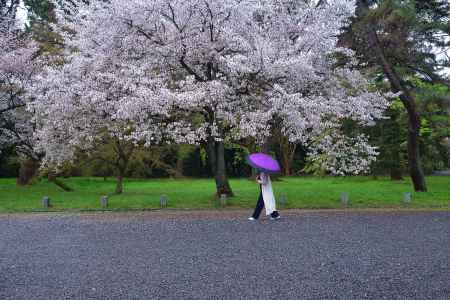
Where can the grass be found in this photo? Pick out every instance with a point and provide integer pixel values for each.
(302, 192)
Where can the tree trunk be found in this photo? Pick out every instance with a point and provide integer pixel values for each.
(124, 151)
(265, 147)
(179, 167)
(28, 170)
(119, 184)
(408, 100)
(52, 178)
(287, 165)
(287, 154)
(216, 159)
(395, 169)
(396, 173)
(414, 161)
(212, 155)
(222, 183)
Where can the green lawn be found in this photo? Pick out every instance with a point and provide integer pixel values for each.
(302, 192)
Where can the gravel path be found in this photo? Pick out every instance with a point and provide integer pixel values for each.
(308, 255)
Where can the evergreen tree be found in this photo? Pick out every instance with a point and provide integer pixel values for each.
(400, 39)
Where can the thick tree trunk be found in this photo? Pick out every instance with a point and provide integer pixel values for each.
(287, 154)
(124, 151)
(216, 159)
(396, 173)
(286, 166)
(414, 162)
(216, 150)
(222, 183)
(212, 155)
(119, 184)
(28, 170)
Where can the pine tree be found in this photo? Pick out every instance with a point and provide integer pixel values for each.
(399, 39)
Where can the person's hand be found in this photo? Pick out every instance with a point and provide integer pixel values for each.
(258, 178)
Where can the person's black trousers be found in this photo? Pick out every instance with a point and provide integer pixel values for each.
(259, 207)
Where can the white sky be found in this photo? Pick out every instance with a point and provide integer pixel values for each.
(22, 15)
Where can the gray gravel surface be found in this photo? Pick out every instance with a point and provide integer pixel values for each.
(309, 255)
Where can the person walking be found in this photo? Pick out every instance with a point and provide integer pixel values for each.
(266, 198)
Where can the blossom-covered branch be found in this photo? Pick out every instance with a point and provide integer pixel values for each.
(17, 67)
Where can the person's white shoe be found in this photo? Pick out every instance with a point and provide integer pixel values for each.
(276, 218)
(252, 219)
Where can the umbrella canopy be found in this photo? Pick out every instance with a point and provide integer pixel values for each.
(263, 162)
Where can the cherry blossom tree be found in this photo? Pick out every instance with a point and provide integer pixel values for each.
(316, 121)
(78, 106)
(17, 66)
(247, 63)
(218, 70)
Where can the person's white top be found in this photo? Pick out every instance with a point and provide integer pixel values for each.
(267, 193)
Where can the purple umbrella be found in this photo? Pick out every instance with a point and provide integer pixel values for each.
(263, 162)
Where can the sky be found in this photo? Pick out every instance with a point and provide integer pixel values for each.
(22, 14)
